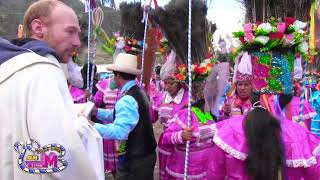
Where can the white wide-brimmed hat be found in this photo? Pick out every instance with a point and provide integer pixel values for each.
(126, 63)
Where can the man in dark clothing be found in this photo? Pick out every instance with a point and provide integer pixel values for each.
(131, 123)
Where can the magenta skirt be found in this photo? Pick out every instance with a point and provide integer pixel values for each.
(110, 156)
(164, 153)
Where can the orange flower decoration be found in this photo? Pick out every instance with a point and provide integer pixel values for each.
(182, 68)
(210, 65)
(134, 42)
(181, 77)
(162, 50)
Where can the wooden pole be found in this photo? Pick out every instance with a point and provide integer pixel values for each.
(149, 58)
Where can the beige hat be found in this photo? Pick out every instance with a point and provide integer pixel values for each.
(126, 63)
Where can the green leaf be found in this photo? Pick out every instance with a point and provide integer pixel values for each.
(272, 21)
(107, 49)
(290, 29)
(238, 34)
(273, 43)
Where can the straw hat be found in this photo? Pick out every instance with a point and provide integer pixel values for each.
(126, 63)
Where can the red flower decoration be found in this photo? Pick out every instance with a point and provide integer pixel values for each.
(203, 70)
(200, 70)
(289, 21)
(127, 39)
(242, 40)
(276, 35)
(127, 49)
(196, 69)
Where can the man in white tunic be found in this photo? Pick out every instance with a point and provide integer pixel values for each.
(35, 101)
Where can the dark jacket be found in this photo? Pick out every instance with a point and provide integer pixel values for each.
(141, 141)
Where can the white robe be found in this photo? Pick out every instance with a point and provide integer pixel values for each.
(35, 103)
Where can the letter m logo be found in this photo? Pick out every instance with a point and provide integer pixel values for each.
(49, 161)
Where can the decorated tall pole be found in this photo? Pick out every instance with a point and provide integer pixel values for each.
(190, 90)
(145, 21)
(88, 10)
(97, 20)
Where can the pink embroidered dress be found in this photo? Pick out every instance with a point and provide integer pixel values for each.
(292, 111)
(163, 108)
(78, 95)
(302, 150)
(106, 98)
(238, 107)
(200, 151)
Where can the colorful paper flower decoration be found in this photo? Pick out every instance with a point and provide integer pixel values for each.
(290, 35)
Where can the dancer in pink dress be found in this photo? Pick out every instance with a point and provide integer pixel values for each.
(164, 108)
(200, 151)
(106, 98)
(200, 131)
(260, 146)
(292, 111)
(165, 105)
(264, 144)
(239, 103)
(78, 95)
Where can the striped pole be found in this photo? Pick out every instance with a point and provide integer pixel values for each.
(97, 22)
(145, 20)
(190, 92)
(89, 34)
(302, 95)
(93, 63)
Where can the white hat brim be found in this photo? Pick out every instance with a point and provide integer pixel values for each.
(113, 67)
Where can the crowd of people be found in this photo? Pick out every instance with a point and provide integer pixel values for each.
(254, 134)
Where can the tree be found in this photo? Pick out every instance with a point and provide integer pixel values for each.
(258, 10)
